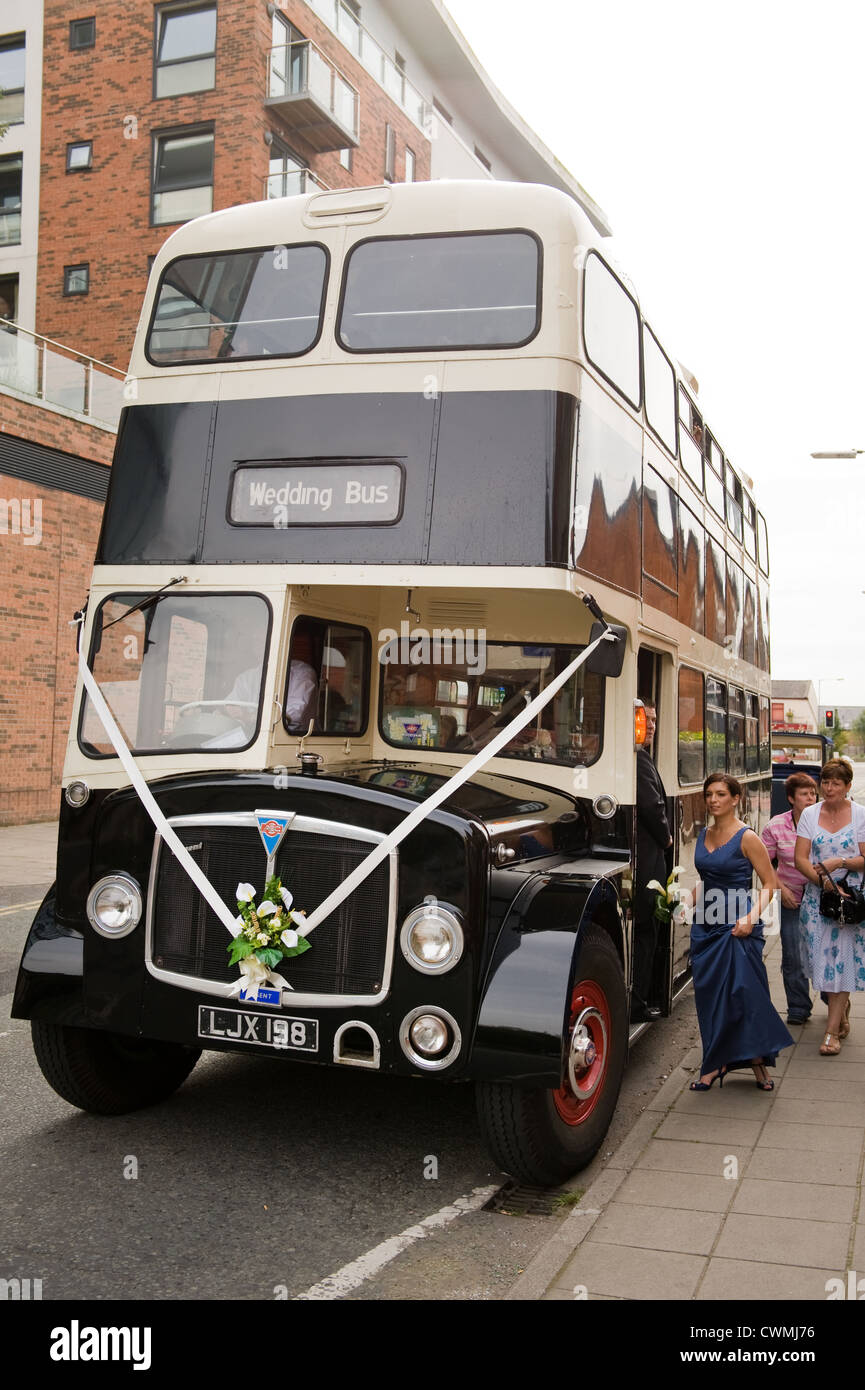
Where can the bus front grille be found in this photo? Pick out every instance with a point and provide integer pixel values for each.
(349, 952)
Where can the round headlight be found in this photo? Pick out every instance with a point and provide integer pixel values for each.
(605, 806)
(114, 905)
(77, 793)
(429, 1035)
(431, 938)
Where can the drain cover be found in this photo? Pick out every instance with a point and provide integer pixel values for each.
(518, 1199)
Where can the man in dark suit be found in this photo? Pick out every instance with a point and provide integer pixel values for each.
(653, 841)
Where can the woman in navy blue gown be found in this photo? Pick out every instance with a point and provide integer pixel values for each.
(739, 1025)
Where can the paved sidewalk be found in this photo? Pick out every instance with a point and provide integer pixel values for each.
(727, 1194)
(28, 855)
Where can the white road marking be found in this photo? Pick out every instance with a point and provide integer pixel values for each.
(354, 1274)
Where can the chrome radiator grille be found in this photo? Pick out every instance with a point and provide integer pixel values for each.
(349, 949)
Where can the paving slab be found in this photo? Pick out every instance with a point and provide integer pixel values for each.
(728, 1280)
(710, 1128)
(824, 1139)
(839, 1088)
(623, 1272)
(689, 1232)
(736, 1101)
(783, 1240)
(689, 1156)
(685, 1191)
(859, 1252)
(825, 1113)
(795, 1166)
(814, 1068)
(811, 1201)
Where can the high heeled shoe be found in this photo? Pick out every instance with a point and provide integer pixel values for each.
(845, 1022)
(707, 1085)
(762, 1083)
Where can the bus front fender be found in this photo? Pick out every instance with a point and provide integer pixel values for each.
(524, 1014)
(51, 973)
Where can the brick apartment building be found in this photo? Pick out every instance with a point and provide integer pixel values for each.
(122, 123)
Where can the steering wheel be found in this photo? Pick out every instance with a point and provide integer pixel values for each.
(217, 704)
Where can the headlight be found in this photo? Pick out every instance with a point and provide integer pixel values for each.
(114, 905)
(430, 1037)
(431, 938)
(77, 794)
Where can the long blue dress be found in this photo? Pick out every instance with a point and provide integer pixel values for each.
(737, 1018)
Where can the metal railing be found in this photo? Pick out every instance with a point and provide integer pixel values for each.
(35, 366)
(300, 69)
(289, 182)
(378, 64)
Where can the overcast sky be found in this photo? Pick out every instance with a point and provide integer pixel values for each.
(725, 144)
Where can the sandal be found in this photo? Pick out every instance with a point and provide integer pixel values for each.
(845, 1022)
(830, 1048)
(762, 1082)
(707, 1085)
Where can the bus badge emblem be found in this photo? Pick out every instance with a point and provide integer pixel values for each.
(271, 828)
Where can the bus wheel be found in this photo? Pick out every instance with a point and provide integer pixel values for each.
(544, 1136)
(107, 1073)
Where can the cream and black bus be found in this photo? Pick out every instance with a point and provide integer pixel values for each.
(380, 446)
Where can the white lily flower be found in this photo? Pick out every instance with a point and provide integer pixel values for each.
(300, 919)
(287, 898)
(655, 884)
(239, 923)
(678, 870)
(289, 938)
(266, 908)
(244, 892)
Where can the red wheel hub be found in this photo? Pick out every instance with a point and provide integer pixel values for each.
(588, 1050)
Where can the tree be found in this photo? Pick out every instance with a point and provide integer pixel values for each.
(839, 737)
(859, 731)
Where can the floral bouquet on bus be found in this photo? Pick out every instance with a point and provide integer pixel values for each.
(670, 901)
(267, 935)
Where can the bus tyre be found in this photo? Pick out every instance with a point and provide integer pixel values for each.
(543, 1136)
(107, 1073)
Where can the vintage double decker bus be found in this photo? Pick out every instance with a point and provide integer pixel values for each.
(380, 443)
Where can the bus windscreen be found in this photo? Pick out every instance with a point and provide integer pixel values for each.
(238, 305)
(410, 294)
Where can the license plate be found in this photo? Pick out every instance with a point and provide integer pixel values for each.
(289, 1034)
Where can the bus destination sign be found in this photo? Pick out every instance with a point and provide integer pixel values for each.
(316, 494)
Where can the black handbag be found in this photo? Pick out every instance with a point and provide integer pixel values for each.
(847, 912)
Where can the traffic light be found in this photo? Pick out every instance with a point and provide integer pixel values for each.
(830, 719)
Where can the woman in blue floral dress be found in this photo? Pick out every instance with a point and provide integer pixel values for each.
(830, 842)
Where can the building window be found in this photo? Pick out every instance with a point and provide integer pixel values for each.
(389, 153)
(79, 156)
(346, 158)
(11, 80)
(482, 159)
(287, 174)
(182, 176)
(82, 32)
(10, 199)
(442, 111)
(76, 279)
(9, 297)
(185, 49)
(410, 165)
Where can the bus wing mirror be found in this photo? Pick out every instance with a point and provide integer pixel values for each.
(609, 658)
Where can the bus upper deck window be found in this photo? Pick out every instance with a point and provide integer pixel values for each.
(238, 305)
(409, 294)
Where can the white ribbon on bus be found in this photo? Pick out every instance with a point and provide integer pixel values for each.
(381, 851)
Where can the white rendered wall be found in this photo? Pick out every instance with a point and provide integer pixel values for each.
(17, 16)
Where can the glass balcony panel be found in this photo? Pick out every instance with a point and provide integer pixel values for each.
(64, 381)
(345, 104)
(372, 56)
(348, 29)
(414, 104)
(394, 81)
(19, 363)
(106, 397)
(320, 74)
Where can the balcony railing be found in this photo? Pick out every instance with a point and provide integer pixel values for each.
(377, 62)
(312, 95)
(59, 376)
(289, 182)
